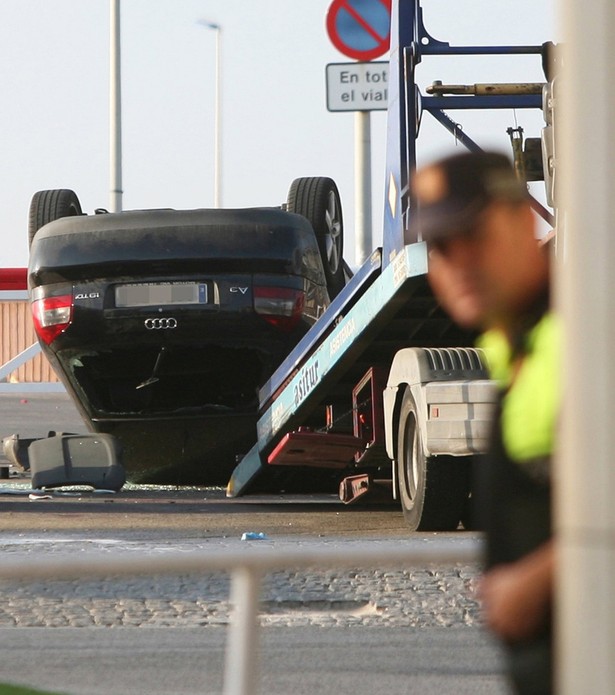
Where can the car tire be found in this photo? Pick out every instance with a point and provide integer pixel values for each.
(317, 199)
(433, 490)
(47, 206)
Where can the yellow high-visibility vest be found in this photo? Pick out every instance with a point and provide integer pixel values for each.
(530, 407)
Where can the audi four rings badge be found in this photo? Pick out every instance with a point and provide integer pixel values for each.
(160, 324)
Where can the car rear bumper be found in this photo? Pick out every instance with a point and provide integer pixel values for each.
(188, 450)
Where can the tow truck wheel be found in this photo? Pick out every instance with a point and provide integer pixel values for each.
(432, 490)
(47, 206)
(317, 199)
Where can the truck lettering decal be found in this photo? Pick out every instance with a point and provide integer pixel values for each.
(346, 332)
(308, 378)
(400, 269)
(277, 417)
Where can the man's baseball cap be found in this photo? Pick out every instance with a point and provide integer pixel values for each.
(452, 192)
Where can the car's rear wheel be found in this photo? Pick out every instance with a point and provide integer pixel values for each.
(47, 206)
(317, 199)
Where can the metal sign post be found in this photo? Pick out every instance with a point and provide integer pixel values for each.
(115, 109)
(363, 185)
(360, 29)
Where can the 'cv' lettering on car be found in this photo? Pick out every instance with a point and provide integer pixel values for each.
(308, 378)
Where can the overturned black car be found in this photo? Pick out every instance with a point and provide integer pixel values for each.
(163, 324)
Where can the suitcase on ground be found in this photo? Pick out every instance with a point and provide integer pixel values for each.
(77, 459)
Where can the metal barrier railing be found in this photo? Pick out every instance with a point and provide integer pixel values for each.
(26, 387)
(9, 365)
(246, 567)
(18, 360)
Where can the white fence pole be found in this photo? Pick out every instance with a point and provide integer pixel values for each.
(241, 665)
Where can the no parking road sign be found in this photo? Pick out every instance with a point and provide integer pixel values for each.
(360, 29)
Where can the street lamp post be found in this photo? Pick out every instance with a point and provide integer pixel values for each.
(218, 113)
(115, 110)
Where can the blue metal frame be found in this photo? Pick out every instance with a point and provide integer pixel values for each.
(406, 106)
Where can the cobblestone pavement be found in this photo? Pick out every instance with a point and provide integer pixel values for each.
(429, 597)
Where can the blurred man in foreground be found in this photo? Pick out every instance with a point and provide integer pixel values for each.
(489, 272)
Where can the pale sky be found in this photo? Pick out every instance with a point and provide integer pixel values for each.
(54, 120)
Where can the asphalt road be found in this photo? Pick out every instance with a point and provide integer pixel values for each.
(34, 414)
(301, 661)
(354, 632)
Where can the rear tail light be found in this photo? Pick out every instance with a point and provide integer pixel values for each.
(280, 306)
(52, 316)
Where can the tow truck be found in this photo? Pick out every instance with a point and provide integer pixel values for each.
(385, 396)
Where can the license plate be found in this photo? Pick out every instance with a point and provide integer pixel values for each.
(160, 294)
